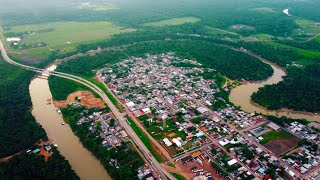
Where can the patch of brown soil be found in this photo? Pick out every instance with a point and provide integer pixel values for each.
(171, 135)
(280, 146)
(45, 153)
(185, 170)
(87, 99)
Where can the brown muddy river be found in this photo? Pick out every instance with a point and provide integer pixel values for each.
(86, 165)
(241, 96)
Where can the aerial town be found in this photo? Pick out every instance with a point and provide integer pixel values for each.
(181, 106)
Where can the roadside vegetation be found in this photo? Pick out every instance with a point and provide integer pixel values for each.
(60, 88)
(144, 138)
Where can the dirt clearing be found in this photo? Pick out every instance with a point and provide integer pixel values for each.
(86, 98)
(280, 146)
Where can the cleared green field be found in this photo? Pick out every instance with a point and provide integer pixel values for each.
(63, 33)
(173, 22)
(263, 37)
(273, 135)
(307, 28)
(217, 31)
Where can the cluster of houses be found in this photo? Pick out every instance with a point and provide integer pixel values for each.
(265, 165)
(214, 128)
(304, 158)
(155, 83)
(304, 132)
(228, 164)
(166, 88)
(242, 119)
(110, 130)
(145, 173)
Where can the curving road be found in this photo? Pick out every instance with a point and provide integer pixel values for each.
(163, 174)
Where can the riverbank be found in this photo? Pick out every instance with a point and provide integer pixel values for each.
(241, 96)
(82, 161)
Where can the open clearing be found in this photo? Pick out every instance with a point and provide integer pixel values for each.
(87, 99)
(62, 33)
(265, 9)
(279, 141)
(217, 31)
(173, 22)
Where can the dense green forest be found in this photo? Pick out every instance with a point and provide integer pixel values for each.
(299, 90)
(30, 166)
(18, 129)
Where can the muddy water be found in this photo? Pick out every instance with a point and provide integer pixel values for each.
(82, 161)
(241, 96)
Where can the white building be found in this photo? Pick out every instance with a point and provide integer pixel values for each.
(202, 110)
(177, 142)
(232, 162)
(130, 104)
(167, 142)
(13, 39)
(146, 110)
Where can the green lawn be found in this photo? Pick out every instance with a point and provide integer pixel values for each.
(39, 52)
(173, 22)
(273, 135)
(62, 33)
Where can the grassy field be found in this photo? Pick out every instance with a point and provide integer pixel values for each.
(146, 141)
(274, 135)
(307, 27)
(263, 37)
(217, 31)
(32, 56)
(173, 22)
(62, 33)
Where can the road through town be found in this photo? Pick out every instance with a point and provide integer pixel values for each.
(152, 161)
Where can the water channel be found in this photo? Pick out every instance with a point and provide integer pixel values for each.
(85, 164)
(241, 96)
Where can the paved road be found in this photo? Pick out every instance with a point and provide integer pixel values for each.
(154, 163)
